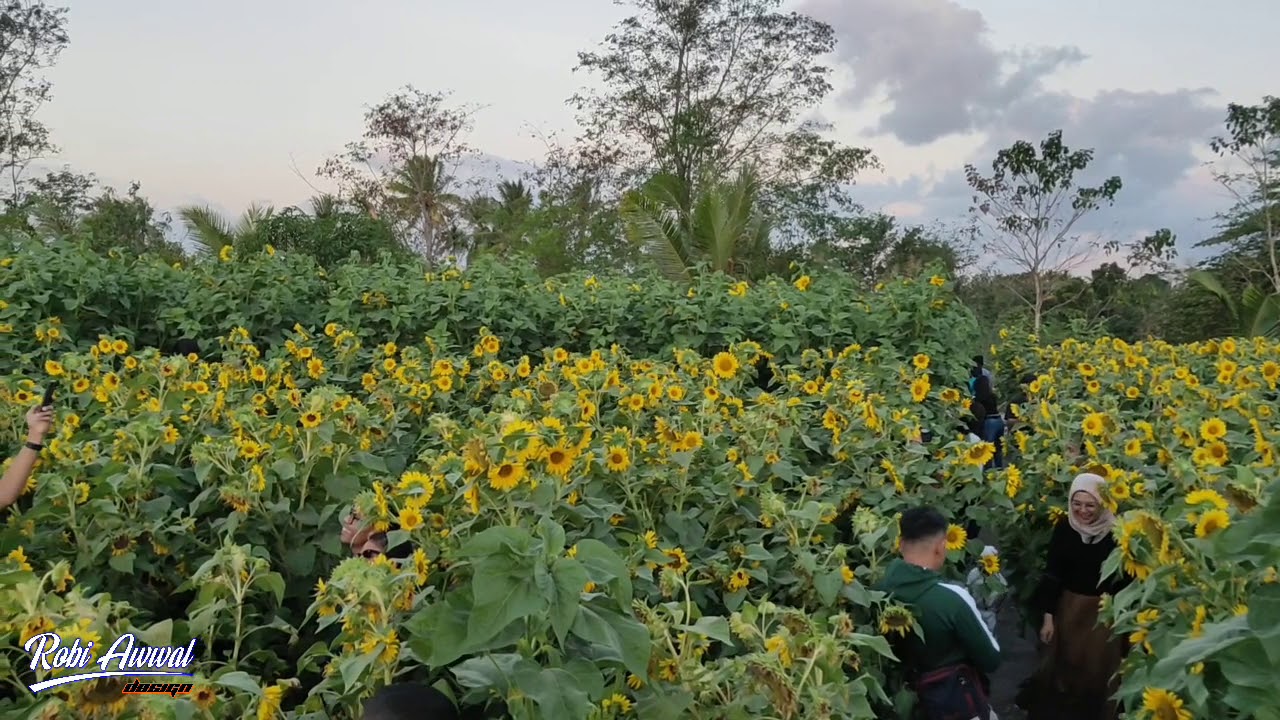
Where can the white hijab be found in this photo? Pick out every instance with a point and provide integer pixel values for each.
(1101, 526)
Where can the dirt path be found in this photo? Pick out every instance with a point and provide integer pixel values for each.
(1019, 659)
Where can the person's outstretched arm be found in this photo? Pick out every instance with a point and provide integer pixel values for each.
(39, 420)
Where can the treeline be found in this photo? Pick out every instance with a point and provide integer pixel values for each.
(691, 160)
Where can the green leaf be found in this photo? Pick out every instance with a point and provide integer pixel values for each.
(122, 563)
(371, 462)
(1216, 638)
(555, 692)
(510, 541)
(439, 631)
(300, 560)
(158, 635)
(552, 537)
(616, 637)
(666, 706)
(238, 680)
(605, 568)
(828, 585)
(488, 672)
(274, 583)
(570, 579)
(341, 487)
(714, 627)
(352, 669)
(505, 588)
(284, 468)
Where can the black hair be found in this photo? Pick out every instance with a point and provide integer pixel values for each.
(1027, 379)
(972, 423)
(922, 523)
(982, 393)
(187, 346)
(409, 701)
(977, 360)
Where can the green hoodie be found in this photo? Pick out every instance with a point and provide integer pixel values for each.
(953, 630)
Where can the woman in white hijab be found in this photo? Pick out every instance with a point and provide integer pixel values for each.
(1079, 657)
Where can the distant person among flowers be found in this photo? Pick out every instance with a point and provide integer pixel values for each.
(992, 424)
(1077, 674)
(367, 542)
(978, 370)
(39, 420)
(946, 667)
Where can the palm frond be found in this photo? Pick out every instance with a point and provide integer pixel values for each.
(1266, 318)
(649, 226)
(208, 230)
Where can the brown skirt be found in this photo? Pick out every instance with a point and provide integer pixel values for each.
(1076, 677)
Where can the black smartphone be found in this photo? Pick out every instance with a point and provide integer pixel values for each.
(48, 396)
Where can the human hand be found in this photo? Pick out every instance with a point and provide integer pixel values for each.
(39, 421)
(1046, 630)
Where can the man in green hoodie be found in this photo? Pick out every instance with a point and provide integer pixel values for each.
(957, 649)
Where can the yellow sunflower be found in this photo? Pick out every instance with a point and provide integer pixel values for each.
(506, 476)
(1211, 522)
(896, 619)
(559, 459)
(1094, 424)
(617, 459)
(1213, 429)
(956, 537)
(1164, 705)
(979, 454)
(725, 365)
(920, 389)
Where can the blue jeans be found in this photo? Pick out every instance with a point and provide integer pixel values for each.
(993, 432)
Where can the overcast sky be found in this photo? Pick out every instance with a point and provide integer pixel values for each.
(218, 101)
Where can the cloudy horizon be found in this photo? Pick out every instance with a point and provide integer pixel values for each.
(234, 103)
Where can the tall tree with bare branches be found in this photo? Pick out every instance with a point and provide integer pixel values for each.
(1031, 204)
(32, 36)
(401, 170)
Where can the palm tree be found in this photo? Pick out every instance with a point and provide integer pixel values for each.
(325, 206)
(1257, 315)
(210, 231)
(721, 225)
(417, 192)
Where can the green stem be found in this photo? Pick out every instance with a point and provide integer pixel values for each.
(235, 651)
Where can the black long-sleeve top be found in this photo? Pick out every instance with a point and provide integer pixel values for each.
(1075, 566)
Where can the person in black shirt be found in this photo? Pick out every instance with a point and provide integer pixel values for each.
(992, 425)
(1077, 676)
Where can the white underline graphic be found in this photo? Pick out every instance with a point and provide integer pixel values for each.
(90, 676)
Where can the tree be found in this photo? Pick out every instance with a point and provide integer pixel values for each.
(1257, 314)
(1250, 229)
(329, 237)
(401, 169)
(498, 224)
(1031, 203)
(876, 247)
(129, 222)
(698, 89)
(720, 226)
(32, 36)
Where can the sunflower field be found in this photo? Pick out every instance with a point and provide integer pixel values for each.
(624, 498)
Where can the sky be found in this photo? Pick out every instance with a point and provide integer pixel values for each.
(236, 102)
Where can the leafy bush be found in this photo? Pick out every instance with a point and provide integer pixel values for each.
(152, 303)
